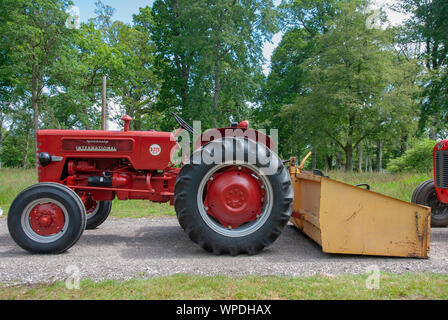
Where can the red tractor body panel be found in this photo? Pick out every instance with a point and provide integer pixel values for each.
(440, 165)
(133, 164)
(144, 149)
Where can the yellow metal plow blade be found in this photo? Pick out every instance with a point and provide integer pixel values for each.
(346, 219)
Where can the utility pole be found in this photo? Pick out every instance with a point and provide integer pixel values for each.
(104, 106)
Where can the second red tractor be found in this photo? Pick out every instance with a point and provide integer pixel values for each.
(434, 192)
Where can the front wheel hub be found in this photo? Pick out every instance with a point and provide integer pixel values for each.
(234, 197)
(46, 219)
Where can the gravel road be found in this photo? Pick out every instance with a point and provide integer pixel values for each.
(127, 248)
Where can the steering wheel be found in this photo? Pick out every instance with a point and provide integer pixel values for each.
(182, 123)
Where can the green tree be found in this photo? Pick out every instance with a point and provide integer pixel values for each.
(91, 56)
(210, 67)
(425, 36)
(133, 80)
(352, 89)
(235, 32)
(302, 21)
(178, 38)
(36, 32)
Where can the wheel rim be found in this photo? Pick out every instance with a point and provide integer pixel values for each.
(438, 209)
(44, 220)
(234, 199)
(92, 206)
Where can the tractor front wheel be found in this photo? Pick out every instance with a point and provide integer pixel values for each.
(425, 194)
(46, 218)
(233, 206)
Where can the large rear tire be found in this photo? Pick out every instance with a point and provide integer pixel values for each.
(46, 218)
(425, 194)
(232, 206)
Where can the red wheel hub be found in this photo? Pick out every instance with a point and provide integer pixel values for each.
(234, 197)
(47, 219)
(89, 204)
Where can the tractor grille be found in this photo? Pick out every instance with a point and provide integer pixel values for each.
(441, 169)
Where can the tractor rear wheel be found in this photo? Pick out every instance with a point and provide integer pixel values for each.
(425, 194)
(46, 218)
(97, 211)
(233, 206)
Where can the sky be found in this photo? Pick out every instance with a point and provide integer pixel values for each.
(125, 9)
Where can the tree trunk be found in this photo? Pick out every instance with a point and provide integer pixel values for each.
(329, 162)
(433, 130)
(339, 161)
(314, 160)
(217, 81)
(184, 74)
(34, 102)
(348, 158)
(403, 143)
(1, 139)
(216, 96)
(379, 156)
(27, 144)
(349, 145)
(360, 157)
(86, 114)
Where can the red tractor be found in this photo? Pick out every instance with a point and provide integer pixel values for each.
(229, 205)
(434, 192)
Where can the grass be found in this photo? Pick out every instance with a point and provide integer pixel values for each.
(396, 185)
(400, 186)
(189, 287)
(12, 181)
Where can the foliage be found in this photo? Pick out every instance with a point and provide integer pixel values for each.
(35, 36)
(418, 158)
(355, 95)
(210, 67)
(343, 83)
(425, 36)
(302, 21)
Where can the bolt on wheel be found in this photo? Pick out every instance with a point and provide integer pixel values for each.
(46, 218)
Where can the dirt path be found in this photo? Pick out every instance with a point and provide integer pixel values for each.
(127, 248)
